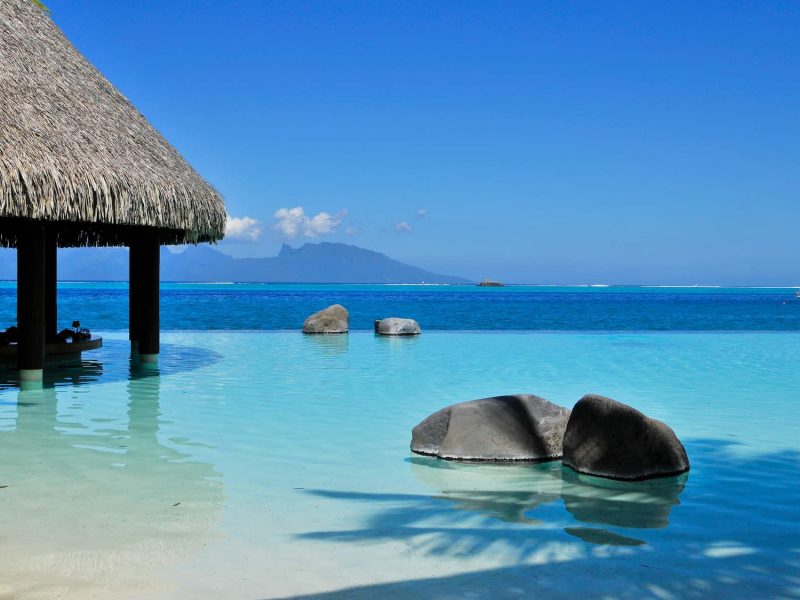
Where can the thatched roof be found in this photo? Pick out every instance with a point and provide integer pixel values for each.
(74, 151)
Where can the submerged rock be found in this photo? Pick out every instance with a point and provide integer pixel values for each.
(334, 319)
(501, 428)
(396, 326)
(609, 439)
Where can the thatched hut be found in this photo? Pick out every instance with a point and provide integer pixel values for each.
(80, 166)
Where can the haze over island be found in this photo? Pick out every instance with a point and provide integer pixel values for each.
(326, 262)
(311, 263)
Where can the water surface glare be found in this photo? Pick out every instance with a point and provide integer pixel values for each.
(269, 464)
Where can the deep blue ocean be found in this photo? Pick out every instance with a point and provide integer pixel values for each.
(104, 306)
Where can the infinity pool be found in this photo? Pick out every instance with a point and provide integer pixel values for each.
(268, 464)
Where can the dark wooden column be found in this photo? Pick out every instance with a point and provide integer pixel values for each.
(134, 293)
(51, 284)
(148, 295)
(31, 301)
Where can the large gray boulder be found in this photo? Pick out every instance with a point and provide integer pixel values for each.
(395, 326)
(609, 439)
(334, 319)
(520, 427)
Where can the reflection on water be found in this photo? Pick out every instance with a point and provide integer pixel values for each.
(115, 352)
(635, 504)
(93, 496)
(87, 371)
(505, 492)
(329, 344)
(457, 519)
(509, 512)
(511, 493)
(397, 341)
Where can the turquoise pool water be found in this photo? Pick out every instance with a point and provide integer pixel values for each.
(269, 464)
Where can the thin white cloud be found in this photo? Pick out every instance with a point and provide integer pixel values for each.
(292, 222)
(242, 229)
(353, 231)
(403, 227)
(422, 213)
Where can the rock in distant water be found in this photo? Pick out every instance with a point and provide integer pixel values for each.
(334, 319)
(519, 427)
(395, 326)
(609, 439)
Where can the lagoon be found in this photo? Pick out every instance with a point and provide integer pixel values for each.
(263, 464)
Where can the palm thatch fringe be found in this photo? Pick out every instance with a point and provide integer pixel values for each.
(75, 151)
(74, 235)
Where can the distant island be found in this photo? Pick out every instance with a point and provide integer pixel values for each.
(324, 262)
(491, 283)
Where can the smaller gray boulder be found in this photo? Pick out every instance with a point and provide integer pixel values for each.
(395, 326)
(334, 319)
(521, 427)
(606, 438)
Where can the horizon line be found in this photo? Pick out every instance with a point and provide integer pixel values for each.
(594, 286)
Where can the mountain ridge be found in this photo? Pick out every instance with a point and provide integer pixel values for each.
(324, 262)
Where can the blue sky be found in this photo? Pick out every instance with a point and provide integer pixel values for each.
(550, 142)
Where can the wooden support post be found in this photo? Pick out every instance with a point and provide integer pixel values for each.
(51, 285)
(149, 323)
(134, 293)
(31, 302)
